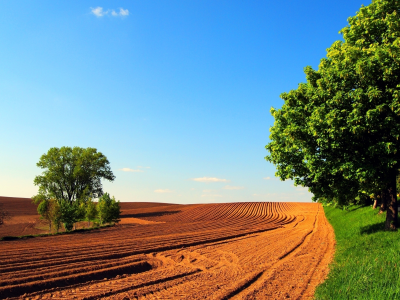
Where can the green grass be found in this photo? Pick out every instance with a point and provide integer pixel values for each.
(366, 264)
(23, 237)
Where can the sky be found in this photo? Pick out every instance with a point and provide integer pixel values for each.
(176, 94)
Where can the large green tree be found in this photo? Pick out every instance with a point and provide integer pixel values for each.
(71, 173)
(338, 133)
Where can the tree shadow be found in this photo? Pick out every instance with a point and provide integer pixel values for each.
(355, 208)
(369, 229)
(151, 214)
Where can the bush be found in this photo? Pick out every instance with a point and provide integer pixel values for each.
(109, 209)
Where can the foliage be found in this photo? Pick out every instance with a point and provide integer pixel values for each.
(91, 211)
(57, 216)
(338, 133)
(70, 173)
(49, 210)
(44, 209)
(69, 214)
(109, 209)
(366, 261)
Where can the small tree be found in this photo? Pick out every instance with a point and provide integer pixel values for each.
(109, 209)
(48, 208)
(80, 211)
(115, 210)
(91, 211)
(69, 214)
(3, 214)
(44, 209)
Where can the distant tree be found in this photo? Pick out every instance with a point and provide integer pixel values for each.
(338, 134)
(109, 209)
(91, 211)
(69, 173)
(69, 214)
(44, 208)
(49, 210)
(115, 210)
(80, 211)
(4, 215)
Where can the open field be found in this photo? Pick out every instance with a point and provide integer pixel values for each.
(24, 218)
(161, 251)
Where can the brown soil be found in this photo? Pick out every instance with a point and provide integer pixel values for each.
(208, 251)
(24, 219)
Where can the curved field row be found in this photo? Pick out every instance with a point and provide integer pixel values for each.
(208, 251)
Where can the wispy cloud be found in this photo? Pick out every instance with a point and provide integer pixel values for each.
(163, 191)
(209, 179)
(100, 12)
(123, 12)
(130, 170)
(229, 187)
(270, 178)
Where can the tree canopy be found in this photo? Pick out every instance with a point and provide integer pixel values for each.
(338, 133)
(72, 173)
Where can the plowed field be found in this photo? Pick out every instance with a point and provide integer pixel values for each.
(207, 251)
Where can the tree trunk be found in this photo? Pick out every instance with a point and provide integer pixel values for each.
(375, 204)
(392, 222)
(384, 200)
(49, 226)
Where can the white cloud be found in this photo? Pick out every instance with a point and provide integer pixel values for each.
(209, 179)
(123, 12)
(270, 178)
(161, 191)
(99, 12)
(130, 170)
(229, 187)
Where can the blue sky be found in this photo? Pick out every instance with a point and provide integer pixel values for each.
(176, 94)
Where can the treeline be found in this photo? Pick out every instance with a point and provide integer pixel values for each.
(58, 212)
(338, 133)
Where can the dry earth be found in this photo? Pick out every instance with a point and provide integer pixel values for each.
(160, 251)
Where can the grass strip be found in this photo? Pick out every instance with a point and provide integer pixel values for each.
(23, 237)
(366, 264)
